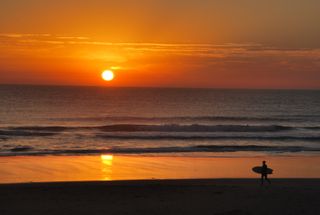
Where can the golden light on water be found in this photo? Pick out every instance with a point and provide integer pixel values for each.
(107, 166)
(107, 158)
(107, 75)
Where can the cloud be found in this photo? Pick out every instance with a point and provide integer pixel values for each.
(16, 35)
(17, 45)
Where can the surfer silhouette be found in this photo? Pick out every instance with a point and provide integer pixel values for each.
(264, 173)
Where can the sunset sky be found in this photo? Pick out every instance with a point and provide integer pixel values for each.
(161, 43)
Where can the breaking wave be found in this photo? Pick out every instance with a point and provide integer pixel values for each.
(171, 132)
(26, 150)
(49, 130)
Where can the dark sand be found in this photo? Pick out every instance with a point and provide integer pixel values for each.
(217, 196)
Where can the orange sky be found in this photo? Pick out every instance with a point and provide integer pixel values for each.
(218, 44)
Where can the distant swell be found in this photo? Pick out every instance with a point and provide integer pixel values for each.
(198, 148)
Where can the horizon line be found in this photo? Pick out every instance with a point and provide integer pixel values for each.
(158, 87)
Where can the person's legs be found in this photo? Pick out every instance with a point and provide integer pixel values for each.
(267, 179)
(261, 180)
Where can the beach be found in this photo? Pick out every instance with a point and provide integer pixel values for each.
(108, 184)
(196, 196)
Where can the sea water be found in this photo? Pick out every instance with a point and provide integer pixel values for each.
(51, 120)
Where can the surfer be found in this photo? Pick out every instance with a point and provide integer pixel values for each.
(264, 173)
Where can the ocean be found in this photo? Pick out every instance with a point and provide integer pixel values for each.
(53, 120)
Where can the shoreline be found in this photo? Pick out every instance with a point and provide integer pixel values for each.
(169, 182)
(191, 196)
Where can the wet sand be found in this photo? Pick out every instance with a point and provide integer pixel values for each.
(23, 169)
(196, 196)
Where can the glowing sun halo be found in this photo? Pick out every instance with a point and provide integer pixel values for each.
(107, 75)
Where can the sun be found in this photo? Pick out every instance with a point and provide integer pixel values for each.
(107, 75)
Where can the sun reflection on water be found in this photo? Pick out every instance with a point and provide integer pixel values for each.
(106, 166)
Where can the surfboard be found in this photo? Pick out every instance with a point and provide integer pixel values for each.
(258, 169)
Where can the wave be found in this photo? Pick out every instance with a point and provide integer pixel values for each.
(24, 133)
(208, 137)
(173, 131)
(312, 128)
(191, 128)
(21, 148)
(214, 148)
(192, 118)
(157, 128)
(42, 128)
(199, 148)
